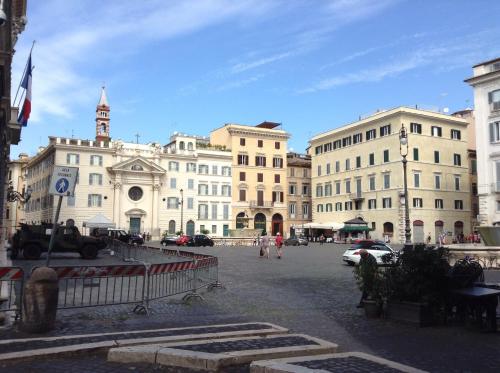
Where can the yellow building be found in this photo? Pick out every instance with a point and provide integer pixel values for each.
(357, 173)
(259, 174)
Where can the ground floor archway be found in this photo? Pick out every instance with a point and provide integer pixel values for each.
(438, 229)
(418, 231)
(277, 224)
(259, 221)
(458, 230)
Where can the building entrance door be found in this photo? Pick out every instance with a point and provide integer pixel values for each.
(135, 225)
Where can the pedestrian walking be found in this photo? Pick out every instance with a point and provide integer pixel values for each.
(279, 245)
(264, 244)
(321, 239)
(429, 239)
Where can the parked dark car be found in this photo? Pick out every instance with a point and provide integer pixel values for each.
(200, 240)
(296, 241)
(117, 234)
(169, 240)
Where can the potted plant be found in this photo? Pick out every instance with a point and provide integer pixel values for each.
(417, 287)
(370, 282)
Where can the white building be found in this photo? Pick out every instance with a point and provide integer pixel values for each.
(486, 84)
(138, 187)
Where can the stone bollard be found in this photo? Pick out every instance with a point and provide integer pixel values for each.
(40, 301)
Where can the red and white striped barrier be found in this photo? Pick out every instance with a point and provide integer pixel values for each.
(170, 267)
(104, 271)
(11, 273)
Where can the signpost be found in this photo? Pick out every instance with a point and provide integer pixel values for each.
(62, 183)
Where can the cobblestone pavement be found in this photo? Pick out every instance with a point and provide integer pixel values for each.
(308, 291)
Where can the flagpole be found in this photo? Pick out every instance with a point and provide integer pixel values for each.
(22, 77)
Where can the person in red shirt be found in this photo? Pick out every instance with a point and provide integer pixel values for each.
(279, 245)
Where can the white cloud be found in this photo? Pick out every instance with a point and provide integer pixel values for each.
(244, 66)
(73, 39)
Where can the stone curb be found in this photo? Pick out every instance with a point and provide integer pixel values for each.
(171, 354)
(101, 345)
(286, 365)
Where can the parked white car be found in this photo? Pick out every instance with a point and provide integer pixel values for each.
(376, 248)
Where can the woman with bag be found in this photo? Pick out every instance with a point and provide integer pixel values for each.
(264, 245)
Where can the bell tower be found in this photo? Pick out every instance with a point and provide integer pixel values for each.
(102, 118)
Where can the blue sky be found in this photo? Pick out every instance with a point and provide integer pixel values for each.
(190, 66)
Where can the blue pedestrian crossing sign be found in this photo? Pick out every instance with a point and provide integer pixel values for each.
(63, 180)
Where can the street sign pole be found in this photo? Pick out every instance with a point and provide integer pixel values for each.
(54, 230)
(62, 183)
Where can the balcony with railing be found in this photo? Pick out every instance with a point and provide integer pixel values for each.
(357, 196)
(261, 204)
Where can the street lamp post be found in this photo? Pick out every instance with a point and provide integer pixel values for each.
(182, 211)
(13, 195)
(403, 150)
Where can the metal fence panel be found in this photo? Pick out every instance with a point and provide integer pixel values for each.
(11, 289)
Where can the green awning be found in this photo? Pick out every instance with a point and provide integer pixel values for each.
(354, 228)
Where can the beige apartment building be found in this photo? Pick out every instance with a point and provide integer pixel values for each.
(299, 192)
(259, 165)
(357, 173)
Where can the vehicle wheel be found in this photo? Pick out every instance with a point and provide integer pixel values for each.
(351, 264)
(31, 252)
(164, 243)
(296, 244)
(89, 252)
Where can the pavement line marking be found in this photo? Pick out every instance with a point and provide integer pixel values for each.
(6, 341)
(286, 365)
(172, 354)
(171, 339)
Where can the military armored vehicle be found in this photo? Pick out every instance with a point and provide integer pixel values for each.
(33, 240)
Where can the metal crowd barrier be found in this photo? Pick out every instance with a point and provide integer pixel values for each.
(11, 289)
(137, 283)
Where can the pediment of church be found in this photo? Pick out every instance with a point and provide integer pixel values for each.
(137, 165)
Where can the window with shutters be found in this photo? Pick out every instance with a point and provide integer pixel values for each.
(305, 210)
(305, 190)
(457, 183)
(457, 159)
(385, 130)
(347, 164)
(494, 100)
(371, 134)
(203, 189)
(338, 206)
(95, 179)
(172, 203)
(371, 159)
(292, 207)
(96, 160)
(173, 166)
(358, 161)
(337, 166)
(226, 190)
(242, 159)
(372, 204)
(318, 149)
(202, 211)
(418, 202)
(260, 177)
(173, 183)
(215, 170)
(337, 144)
(348, 186)
(436, 156)
(226, 171)
(337, 187)
(214, 211)
(459, 204)
(214, 189)
(243, 195)
(225, 212)
(437, 181)
(277, 178)
(346, 141)
(386, 155)
(277, 162)
(72, 158)
(95, 200)
(190, 184)
(436, 131)
(260, 143)
(416, 128)
(203, 169)
(292, 189)
(357, 138)
(191, 167)
(348, 206)
(278, 197)
(387, 181)
(190, 203)
(319, 208)
(371, 181)
(328, 168)
(319, 190)
(416, 180)
(260, 161)
(243, 176)
(319, 170)
(438, 203)
(456, 135)
(242, 141)
(386, 203)
(415, 154)
(277, 145)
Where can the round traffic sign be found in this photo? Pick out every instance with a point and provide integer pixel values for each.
(62, 185)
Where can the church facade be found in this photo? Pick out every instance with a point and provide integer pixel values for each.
(182, 186)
